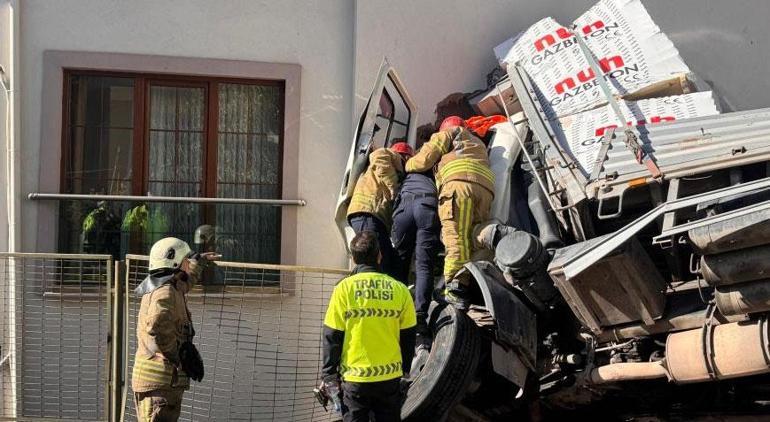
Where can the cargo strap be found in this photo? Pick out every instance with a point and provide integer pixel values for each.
(609, 135)
(631, 141)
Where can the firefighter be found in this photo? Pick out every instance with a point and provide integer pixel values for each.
(205, 238)
(101, 231)
(368, 337)
(371, 206)
(466, 190)
(416, 229)
(166, 359)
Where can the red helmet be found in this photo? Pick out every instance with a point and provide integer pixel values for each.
(450, 122)
(402, 147)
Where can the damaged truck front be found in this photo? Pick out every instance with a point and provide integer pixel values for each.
(628, 261)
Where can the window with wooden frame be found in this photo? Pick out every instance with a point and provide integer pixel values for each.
(163, 135)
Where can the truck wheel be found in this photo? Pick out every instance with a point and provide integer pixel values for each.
(450, 368)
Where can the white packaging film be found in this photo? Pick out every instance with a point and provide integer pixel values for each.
(628, 46)
(582, 133)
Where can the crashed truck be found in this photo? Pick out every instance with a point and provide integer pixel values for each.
(628, 263)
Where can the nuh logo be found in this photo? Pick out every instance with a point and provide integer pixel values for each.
(606, 64)
(563, 33)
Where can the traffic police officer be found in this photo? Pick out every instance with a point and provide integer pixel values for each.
(466, 190)
(416, 229)
(371, 206)
(165, 357)
(368, 337)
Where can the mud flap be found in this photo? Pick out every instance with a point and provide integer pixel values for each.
(515, 324)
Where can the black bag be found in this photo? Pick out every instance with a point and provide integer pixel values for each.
(191, 361)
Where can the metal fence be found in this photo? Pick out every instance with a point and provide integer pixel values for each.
(259, 332)
(54, 336)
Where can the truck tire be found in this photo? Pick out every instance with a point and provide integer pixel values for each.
(449, 370)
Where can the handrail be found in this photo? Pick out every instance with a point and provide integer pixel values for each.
(255, 266)
(54, 255)
(36, 196)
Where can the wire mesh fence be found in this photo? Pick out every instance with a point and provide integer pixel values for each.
(258, 330)
(54, 328)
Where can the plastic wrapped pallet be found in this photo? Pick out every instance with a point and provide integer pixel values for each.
(582, 134)
(629, 47)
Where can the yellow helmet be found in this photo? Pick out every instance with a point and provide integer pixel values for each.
(168, 253)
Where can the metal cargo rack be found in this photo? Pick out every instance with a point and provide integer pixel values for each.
(657, 155)
(679, 149)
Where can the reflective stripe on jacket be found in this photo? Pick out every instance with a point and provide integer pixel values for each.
(377, 188)
(457, 155)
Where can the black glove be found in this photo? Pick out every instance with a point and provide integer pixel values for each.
(191, 361)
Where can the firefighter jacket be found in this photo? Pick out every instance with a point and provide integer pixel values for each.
(377, 187)
(163, 324)
(456, 154)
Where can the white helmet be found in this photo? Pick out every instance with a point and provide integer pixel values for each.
(168, 253)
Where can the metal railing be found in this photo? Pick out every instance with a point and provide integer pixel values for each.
(173, 199)
(258, 330)
(54, 336)
(259, 333)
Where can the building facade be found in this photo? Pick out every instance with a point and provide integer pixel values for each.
(257, 100)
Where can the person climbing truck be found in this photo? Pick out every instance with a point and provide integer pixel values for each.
(466, 186)
(368, 338)
(371, 206)
(416, 230)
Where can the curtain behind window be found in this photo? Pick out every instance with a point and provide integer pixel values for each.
(176, 134)
(249, 166)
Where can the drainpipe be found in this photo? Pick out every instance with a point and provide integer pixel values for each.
(14, 180)
(13, 199)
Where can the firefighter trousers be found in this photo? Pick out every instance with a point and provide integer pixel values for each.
(159, 405)
(462, 205)
(415, 232)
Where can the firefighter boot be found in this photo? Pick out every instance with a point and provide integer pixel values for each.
(422, 345)
(457, 294)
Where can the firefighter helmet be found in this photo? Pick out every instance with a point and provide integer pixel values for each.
(168, 253)
(451, 122)
(402, 147)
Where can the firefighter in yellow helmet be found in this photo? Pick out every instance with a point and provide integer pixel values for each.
(166, 358)
(466, 189)
(371, 207)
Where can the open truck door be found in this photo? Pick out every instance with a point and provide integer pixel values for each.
(389, 115)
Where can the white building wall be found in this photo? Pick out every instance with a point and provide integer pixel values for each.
(443, 46)
(316, 35)
(438, 47)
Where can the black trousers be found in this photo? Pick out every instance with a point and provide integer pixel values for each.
(416, 229)
(367, 222)
(371, 401)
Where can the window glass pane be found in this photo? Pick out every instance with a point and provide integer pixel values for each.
(98, 160)
(249, 166)
(175, 158)
(399, 125)
(382, 121)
